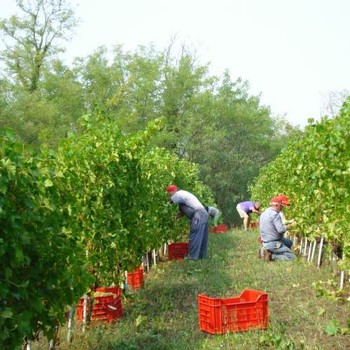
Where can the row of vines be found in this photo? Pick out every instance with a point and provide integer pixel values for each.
(78, 217)
(314, 172)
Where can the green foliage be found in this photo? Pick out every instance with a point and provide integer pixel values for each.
(42, 266)
(333, 327)
(80, 216)
(277, 340)
(122, 184)
(209, 120)
(31, 39)
(164, 314)
(314, 173)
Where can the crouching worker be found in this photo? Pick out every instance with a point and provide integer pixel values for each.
(214, 214)
(272, 229)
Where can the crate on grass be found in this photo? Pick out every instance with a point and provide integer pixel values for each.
(177, 251)
(254, 225)
(247, 311)
(105, 305)
(219, 229)
(135, 278)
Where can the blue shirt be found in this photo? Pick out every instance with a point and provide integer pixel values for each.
(271, 225)
(247, 206)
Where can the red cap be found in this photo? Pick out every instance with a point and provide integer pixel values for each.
(171, 188)
(281, 199)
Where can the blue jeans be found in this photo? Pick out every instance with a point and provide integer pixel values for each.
(281, 250)
(198, 238)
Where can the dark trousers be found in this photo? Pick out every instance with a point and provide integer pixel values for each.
(198, 238)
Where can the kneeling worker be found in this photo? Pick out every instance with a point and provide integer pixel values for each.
(272, 229)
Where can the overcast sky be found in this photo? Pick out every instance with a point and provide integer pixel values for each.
(292, 52)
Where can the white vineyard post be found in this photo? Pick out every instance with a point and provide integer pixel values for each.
(52, 342)
(305, 248)
(70, 324)
(333, 258)
(301, 247)
(313, 250)
(165, 249)
(320, 253)
(85, 303)
(126, 285)
(154, 256)
(28, 347)
(160, 252)
(147, 262)
(342, 274)
(341, 285)
(309, 253)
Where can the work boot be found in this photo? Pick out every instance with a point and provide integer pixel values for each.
(266, 254)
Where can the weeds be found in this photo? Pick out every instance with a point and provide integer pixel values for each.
(163, 315)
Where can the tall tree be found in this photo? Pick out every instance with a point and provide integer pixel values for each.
(31, 39)
(333, 102)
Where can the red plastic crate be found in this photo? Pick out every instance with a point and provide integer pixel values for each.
(219, 229)
(254, 224)
(177, 251)
(245, 312)
(105, 308)
(135, 278)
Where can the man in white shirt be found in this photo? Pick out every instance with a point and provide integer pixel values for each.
(192, 208)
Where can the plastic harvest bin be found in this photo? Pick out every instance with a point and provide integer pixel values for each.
(135, 278)
(219, 229)
(246, 312)
(106, 308)
(177, 251)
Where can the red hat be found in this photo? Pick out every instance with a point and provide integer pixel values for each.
(281, 199)
(171, 188)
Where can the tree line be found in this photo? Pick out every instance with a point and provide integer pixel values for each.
(209, 120)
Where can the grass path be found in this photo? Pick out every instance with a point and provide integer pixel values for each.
(163, 315)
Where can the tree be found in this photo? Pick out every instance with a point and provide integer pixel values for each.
(333, 102)
(47, 114)
(232, 137)
(30, 40)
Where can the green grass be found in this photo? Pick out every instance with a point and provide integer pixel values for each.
(163, 315)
